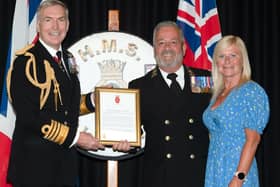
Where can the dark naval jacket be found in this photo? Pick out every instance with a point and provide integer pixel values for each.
(176, 140)
(47, 104)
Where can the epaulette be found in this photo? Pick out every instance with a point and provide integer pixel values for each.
(191, 73)
(198, 72)
(154, 72)
(9, 73)
(23, 50)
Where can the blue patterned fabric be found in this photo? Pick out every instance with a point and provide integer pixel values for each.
(245, 107)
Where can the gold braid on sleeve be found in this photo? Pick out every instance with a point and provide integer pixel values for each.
(83, 107)
(55, 132)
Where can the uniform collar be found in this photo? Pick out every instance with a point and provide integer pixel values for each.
(50, 49)
(180, 76)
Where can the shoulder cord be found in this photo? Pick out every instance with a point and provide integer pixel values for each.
(45, 87)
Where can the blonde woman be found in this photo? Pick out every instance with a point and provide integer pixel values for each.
(236, 116)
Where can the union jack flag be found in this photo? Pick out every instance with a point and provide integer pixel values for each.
(23, 32)
(201, 26)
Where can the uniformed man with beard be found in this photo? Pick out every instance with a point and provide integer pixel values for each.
(173, 98)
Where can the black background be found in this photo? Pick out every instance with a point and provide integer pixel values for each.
(256, 22)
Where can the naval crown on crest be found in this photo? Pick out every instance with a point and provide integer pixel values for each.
(112, 71)
(112, 67)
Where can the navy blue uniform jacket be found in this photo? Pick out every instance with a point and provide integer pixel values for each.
(176, 140)
(36, 159)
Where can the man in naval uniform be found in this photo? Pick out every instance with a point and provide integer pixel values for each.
(45, 94)
(176, 140)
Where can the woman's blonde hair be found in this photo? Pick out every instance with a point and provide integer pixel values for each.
(224, 43)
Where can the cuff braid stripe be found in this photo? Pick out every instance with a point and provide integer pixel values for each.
(56, 132)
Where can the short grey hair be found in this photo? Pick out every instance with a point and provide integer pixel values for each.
(167, 24)
(48, 3)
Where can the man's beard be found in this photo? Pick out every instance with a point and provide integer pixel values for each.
(167, 63)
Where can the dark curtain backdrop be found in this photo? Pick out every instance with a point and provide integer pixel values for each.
(257, 22)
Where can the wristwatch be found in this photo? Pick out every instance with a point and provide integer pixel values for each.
(240, 175)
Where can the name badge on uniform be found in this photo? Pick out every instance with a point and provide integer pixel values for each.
(201, 84)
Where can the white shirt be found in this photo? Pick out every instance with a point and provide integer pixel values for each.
(180, 77)
(53, 53)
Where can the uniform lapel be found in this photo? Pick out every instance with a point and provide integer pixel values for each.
(65, 59)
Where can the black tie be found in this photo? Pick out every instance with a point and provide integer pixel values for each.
(59, 61)
(57, 58)
(175, 87)
(58, 54)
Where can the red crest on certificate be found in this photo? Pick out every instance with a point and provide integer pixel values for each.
(110, 59)
(117, 99)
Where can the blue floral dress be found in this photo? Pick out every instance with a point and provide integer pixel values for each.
(245, 107)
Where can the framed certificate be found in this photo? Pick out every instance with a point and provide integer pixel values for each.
(117, 115)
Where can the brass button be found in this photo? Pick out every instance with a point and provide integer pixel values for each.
(166, 122)
(167, 138)
(192, 156)
(168, 155)
(191, 120)
(65, 122)
(191, 137)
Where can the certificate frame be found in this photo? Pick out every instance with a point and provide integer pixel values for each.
(117, 115)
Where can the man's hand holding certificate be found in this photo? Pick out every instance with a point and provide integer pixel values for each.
(117, 116)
